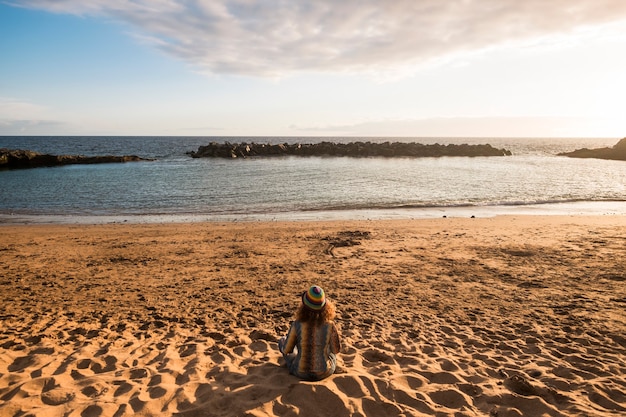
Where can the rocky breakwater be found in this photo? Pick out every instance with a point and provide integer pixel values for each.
(617, 152)
(352, 149)
(20, 159)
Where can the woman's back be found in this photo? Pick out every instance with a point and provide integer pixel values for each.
(314, 342)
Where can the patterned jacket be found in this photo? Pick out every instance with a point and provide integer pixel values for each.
(317, 344)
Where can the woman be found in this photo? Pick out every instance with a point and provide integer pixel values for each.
(312, 343)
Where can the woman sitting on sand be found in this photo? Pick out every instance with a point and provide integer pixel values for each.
(312, 343)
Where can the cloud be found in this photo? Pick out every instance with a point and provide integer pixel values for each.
(281, 37)
(523, 127)
(30, 127)
(21, 117)
(11, 108)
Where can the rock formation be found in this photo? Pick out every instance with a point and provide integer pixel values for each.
(617, 152)
(353, 149)
(17, 159)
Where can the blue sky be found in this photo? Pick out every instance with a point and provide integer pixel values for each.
(313, 68)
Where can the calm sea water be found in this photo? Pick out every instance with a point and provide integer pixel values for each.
(177, 187)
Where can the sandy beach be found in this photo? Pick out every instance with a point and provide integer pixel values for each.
(503, 316)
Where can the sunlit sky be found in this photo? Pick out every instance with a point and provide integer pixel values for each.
(463, 68)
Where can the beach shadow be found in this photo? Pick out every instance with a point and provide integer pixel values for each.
(230, 393)
(267, 388)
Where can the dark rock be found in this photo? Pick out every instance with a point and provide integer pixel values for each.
(520, 385)
(262, 335)
(19, 159)
(352, 149)
(617, 152)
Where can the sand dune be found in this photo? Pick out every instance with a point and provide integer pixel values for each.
(509, 316)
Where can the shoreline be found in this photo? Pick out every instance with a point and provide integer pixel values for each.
(506, 315)
(583, 208)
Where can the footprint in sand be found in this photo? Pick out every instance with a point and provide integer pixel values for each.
(450, 398)
(123, 388)
(53, 394)
(92, 411)
(57, 396)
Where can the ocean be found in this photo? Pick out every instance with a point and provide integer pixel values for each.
(176, 187)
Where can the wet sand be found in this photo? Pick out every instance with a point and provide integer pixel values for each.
(505, 316)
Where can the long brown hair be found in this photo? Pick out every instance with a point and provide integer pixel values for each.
(327, 314)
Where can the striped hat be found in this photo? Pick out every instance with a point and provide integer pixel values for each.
(314, 298)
